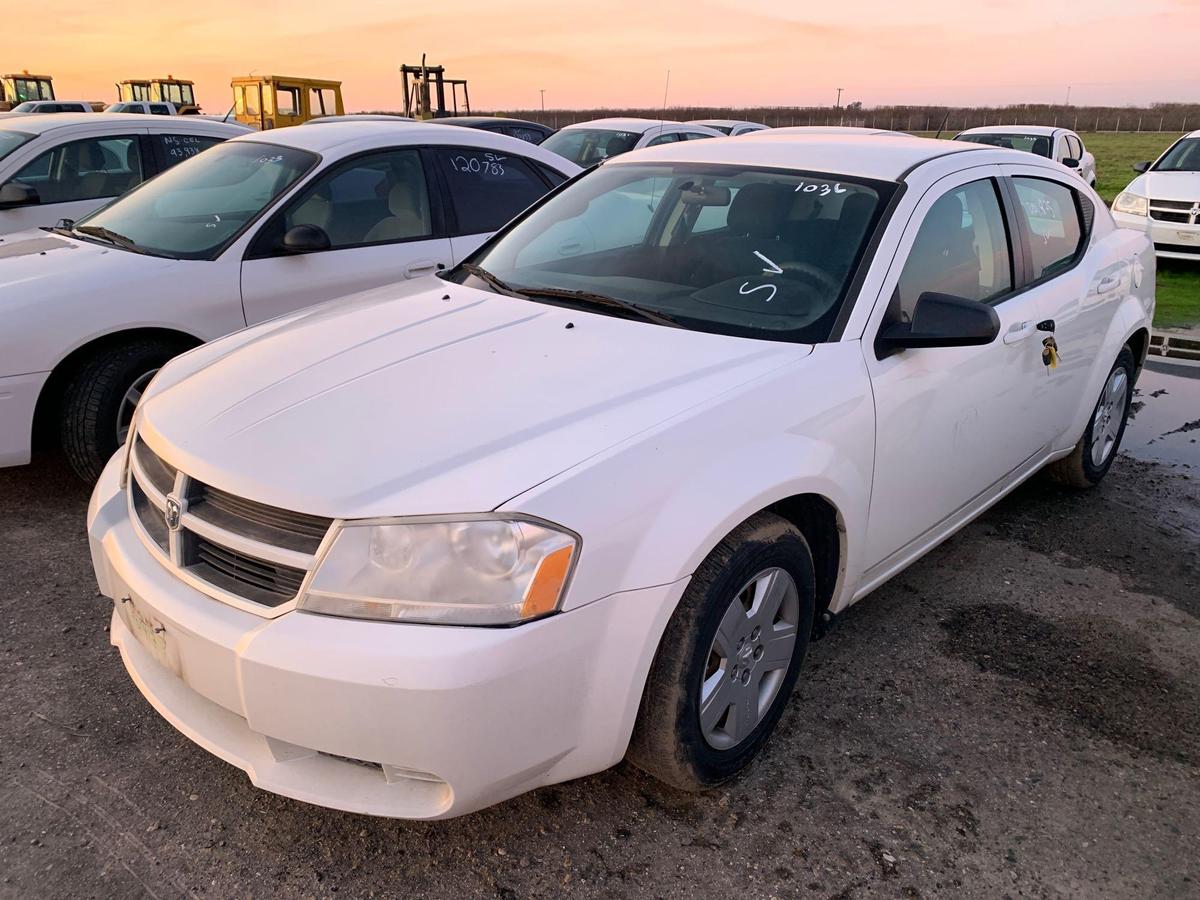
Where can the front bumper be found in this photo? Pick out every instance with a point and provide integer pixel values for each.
(410, 721)
(18, 400)
(1172, 240)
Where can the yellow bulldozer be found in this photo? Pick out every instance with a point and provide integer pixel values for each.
(18, 88)
(161, 90)
(277, 101)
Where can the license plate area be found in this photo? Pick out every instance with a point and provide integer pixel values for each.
(150, 633)
(1189, 237)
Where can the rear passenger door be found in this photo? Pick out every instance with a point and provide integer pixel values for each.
(383, 223)
(484, 189)
(953, 423)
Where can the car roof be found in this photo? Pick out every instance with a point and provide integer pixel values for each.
(358, 117)
(479, 121)
(725, 123)
(42, 124)
(341, 138)
(641, 126)
(833, 130)
(857, 155)
(1042, 130)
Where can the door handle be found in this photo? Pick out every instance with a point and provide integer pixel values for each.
(1019, 331)
(420, 267)
(1112, 282)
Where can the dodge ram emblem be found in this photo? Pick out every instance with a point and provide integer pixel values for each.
(173, 514)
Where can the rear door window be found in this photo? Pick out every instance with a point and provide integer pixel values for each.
(1051, 214)
(178, 147)
(488, 188)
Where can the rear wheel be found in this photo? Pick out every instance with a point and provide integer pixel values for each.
(729, 657)
(1096, 450)
(100, 401)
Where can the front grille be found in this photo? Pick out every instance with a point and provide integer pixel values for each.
(1180, 212)
(1190, 249)
(238, 549)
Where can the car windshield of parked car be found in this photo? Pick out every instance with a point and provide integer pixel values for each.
(26, 107)
(1029, 143)
(748, 252)
(1183, 157)
(193, 210)
(588, 146)
(11, 140)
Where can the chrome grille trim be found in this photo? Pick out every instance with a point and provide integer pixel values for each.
(1177, 212)
(212, 553)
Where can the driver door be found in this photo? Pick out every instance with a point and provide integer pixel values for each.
(953, 424)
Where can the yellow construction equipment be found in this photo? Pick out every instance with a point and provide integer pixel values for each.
(277, 101)
(161, 90)
(20, 87)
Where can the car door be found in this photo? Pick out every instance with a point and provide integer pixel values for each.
(1077, 293)
(484, 189)
(381, 222)
(952, 423)
(74, 177)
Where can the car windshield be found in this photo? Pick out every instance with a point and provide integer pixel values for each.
(194, 209)
(588, 146)
(724, 129)
(1183, 157)
(27, 106)
(11, 140)
(749, 252)
(1030, 143)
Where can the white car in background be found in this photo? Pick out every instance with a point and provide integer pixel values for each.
(730, 127)
(587, 143)
(66, 166)
(143, 108)
(1059, 144)
(31, 107)
(422, 550)
(251, 229)
(1164, 200)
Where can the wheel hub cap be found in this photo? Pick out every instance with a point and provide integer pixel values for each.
(1109, 416)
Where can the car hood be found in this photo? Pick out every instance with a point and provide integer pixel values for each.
(1167, 185)
(431, 398)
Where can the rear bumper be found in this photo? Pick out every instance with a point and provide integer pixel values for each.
(410, 721)
(18, 400)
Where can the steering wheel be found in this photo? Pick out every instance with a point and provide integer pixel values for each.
(812, 275)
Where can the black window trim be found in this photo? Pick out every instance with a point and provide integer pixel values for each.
(436, 213)
(453, 228)
(1028, 282)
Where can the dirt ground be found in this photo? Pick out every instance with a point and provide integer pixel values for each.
(1017, 715)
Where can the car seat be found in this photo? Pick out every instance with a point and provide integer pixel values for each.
(405, 220)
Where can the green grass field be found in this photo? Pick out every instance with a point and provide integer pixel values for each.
(1178, 281)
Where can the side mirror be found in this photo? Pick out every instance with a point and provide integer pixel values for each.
(1070, 162)
(940, 320)
(1142, 166)
(305, 239)
(17, 194)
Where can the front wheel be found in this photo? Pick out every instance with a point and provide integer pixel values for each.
(1096, 450)
(729, 657)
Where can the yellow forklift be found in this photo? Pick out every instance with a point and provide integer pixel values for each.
(22, 86)
(161, 90)
(277, 101)
(425, 94)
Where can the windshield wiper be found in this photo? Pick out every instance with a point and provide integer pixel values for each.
(107, 234)
(594, 299)
(491, 280)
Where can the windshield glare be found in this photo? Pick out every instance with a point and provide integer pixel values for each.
(588, 146)
(11, 140)
(1029, 143)
(1183, 157)
(194, 209)
(750, 252)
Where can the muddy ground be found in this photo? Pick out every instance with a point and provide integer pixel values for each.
(1018, 715)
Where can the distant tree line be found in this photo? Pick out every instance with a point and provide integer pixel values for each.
(1172, 117)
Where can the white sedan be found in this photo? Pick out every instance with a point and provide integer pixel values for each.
(1059, 144)
(66, 166)
(1164, 200)
(254, 228)
(422, 550)
(731, 127)
(587, 143)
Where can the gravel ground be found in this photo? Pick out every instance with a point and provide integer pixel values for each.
(1016, 715)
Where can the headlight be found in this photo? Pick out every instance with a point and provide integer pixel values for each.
(1131, 204)
(465, 571)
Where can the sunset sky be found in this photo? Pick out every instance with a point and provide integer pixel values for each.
(616, 53)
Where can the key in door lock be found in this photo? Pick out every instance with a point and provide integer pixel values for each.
(1050, 353)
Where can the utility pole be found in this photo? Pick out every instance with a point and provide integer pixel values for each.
(839, 99)
(543, 92)
(1068, 103)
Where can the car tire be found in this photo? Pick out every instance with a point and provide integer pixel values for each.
(715, 651)
(1092, 457)
(98, 396)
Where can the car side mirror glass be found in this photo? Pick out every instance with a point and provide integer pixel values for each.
(16, 194)
(1071, 162)
(305, 239)
(1141, 166)
(940, 320)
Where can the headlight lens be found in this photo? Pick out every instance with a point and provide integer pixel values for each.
(1131, 204)
(485, 571)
